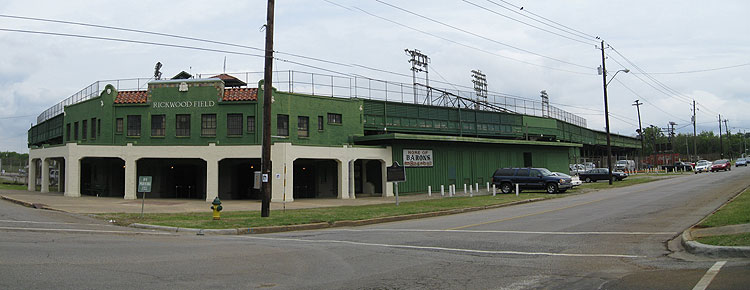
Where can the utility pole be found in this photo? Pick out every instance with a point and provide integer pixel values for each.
(606, 115)
(640, 130)
(695, 135)
(721, 143)
(729, 140)
(265, 166)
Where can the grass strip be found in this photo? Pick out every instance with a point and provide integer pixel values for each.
(734, 213)
(246, 219)
(13, 186)
(727, 240)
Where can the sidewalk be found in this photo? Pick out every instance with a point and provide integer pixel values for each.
(91, 204)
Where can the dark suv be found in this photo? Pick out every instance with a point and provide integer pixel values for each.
(530, 178)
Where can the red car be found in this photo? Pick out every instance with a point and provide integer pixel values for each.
(721, 164)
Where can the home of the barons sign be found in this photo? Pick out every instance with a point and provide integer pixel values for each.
(417, 158)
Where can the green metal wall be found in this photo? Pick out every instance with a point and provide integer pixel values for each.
(459, 163)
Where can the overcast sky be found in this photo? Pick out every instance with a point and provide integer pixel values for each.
(692, 49)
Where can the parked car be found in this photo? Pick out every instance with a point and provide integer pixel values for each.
(678, 166)
(575, 180)
(740, 162)
(721, 164)
(596, 174)
(625, 165)
(702, 166)
(530, 178)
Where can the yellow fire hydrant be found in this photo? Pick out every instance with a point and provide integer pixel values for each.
(216, 206)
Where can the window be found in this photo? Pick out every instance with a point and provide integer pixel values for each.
(522, 172)
(158, 125)
(334, 118)
(99, 127)
(93, 128)
(282, 125)
(534, 173)
(234, 124)
(134, 125)
(251, 124)
(75, 130)
(183, 125)
(320, 123)
(208, 125)
(118, 126)
(67, 132)
(84, 127)
(303, 123)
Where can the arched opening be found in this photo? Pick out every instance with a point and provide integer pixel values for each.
(103, 176)
(368, 177)
(236, 178)
(174, 178)
(315, 178)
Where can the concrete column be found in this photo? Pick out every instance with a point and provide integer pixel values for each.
(352, 190)
(343, 180)
(131, 180)
(72, 177)
(212, 179)
(32, 175)
(45, 175)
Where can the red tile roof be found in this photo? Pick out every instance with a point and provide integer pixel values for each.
(131, 97)
(240, 94)
(230, 81)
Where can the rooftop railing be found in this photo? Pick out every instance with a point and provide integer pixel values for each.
(348, 87)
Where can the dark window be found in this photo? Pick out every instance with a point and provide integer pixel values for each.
(158, 125)
(134, 125)
(534, 173)
(505, 172)
(527, 159)
(282, 125)
(99, 127)
(334, 118)
(67, 132)
(320, 123)
(84, 129)
(118, 126)
(303, 123)
(208, 125)
(251, 124)
(234, 124)
(522, 172)
(182, 125)
(75, 130)
(93, 128)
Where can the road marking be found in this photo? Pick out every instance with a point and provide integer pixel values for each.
(443, 248)
(710, 275)
(82, 231)
(50, 223)
(509, 232)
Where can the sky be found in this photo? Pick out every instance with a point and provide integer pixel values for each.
(676, 51)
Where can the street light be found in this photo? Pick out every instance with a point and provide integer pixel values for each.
(603, 72)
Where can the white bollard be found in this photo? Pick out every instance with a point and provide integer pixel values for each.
(494, 190)
(517, 189)
(442, 190)
(464, 188)
(453, 189)
(476, 186)
(488, 187)
(471, 191)
(429, 191)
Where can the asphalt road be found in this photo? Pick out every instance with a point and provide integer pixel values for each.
(612, 239)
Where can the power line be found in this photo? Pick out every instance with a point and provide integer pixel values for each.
(647, 101)
(479, 36)
(700, 70)
(521, 8)
(588, 42)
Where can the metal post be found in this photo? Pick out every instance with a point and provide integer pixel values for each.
(442, 190)
(517, 189)
(429, 191)
(395, 190)
(494, 190)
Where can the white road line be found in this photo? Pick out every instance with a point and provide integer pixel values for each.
(710, 275)
(49, 223)
(444, 249)
(508, 232)
(83, 231)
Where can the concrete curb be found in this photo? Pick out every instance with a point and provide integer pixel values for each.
(324, 225)
(693, 247)
(29, 204)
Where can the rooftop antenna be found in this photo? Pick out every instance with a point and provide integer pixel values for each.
(157, 73)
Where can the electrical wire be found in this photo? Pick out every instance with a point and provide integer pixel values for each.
(588, 42)
(479, 36)
(700, 70)
(521, 8)
(647, 101)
